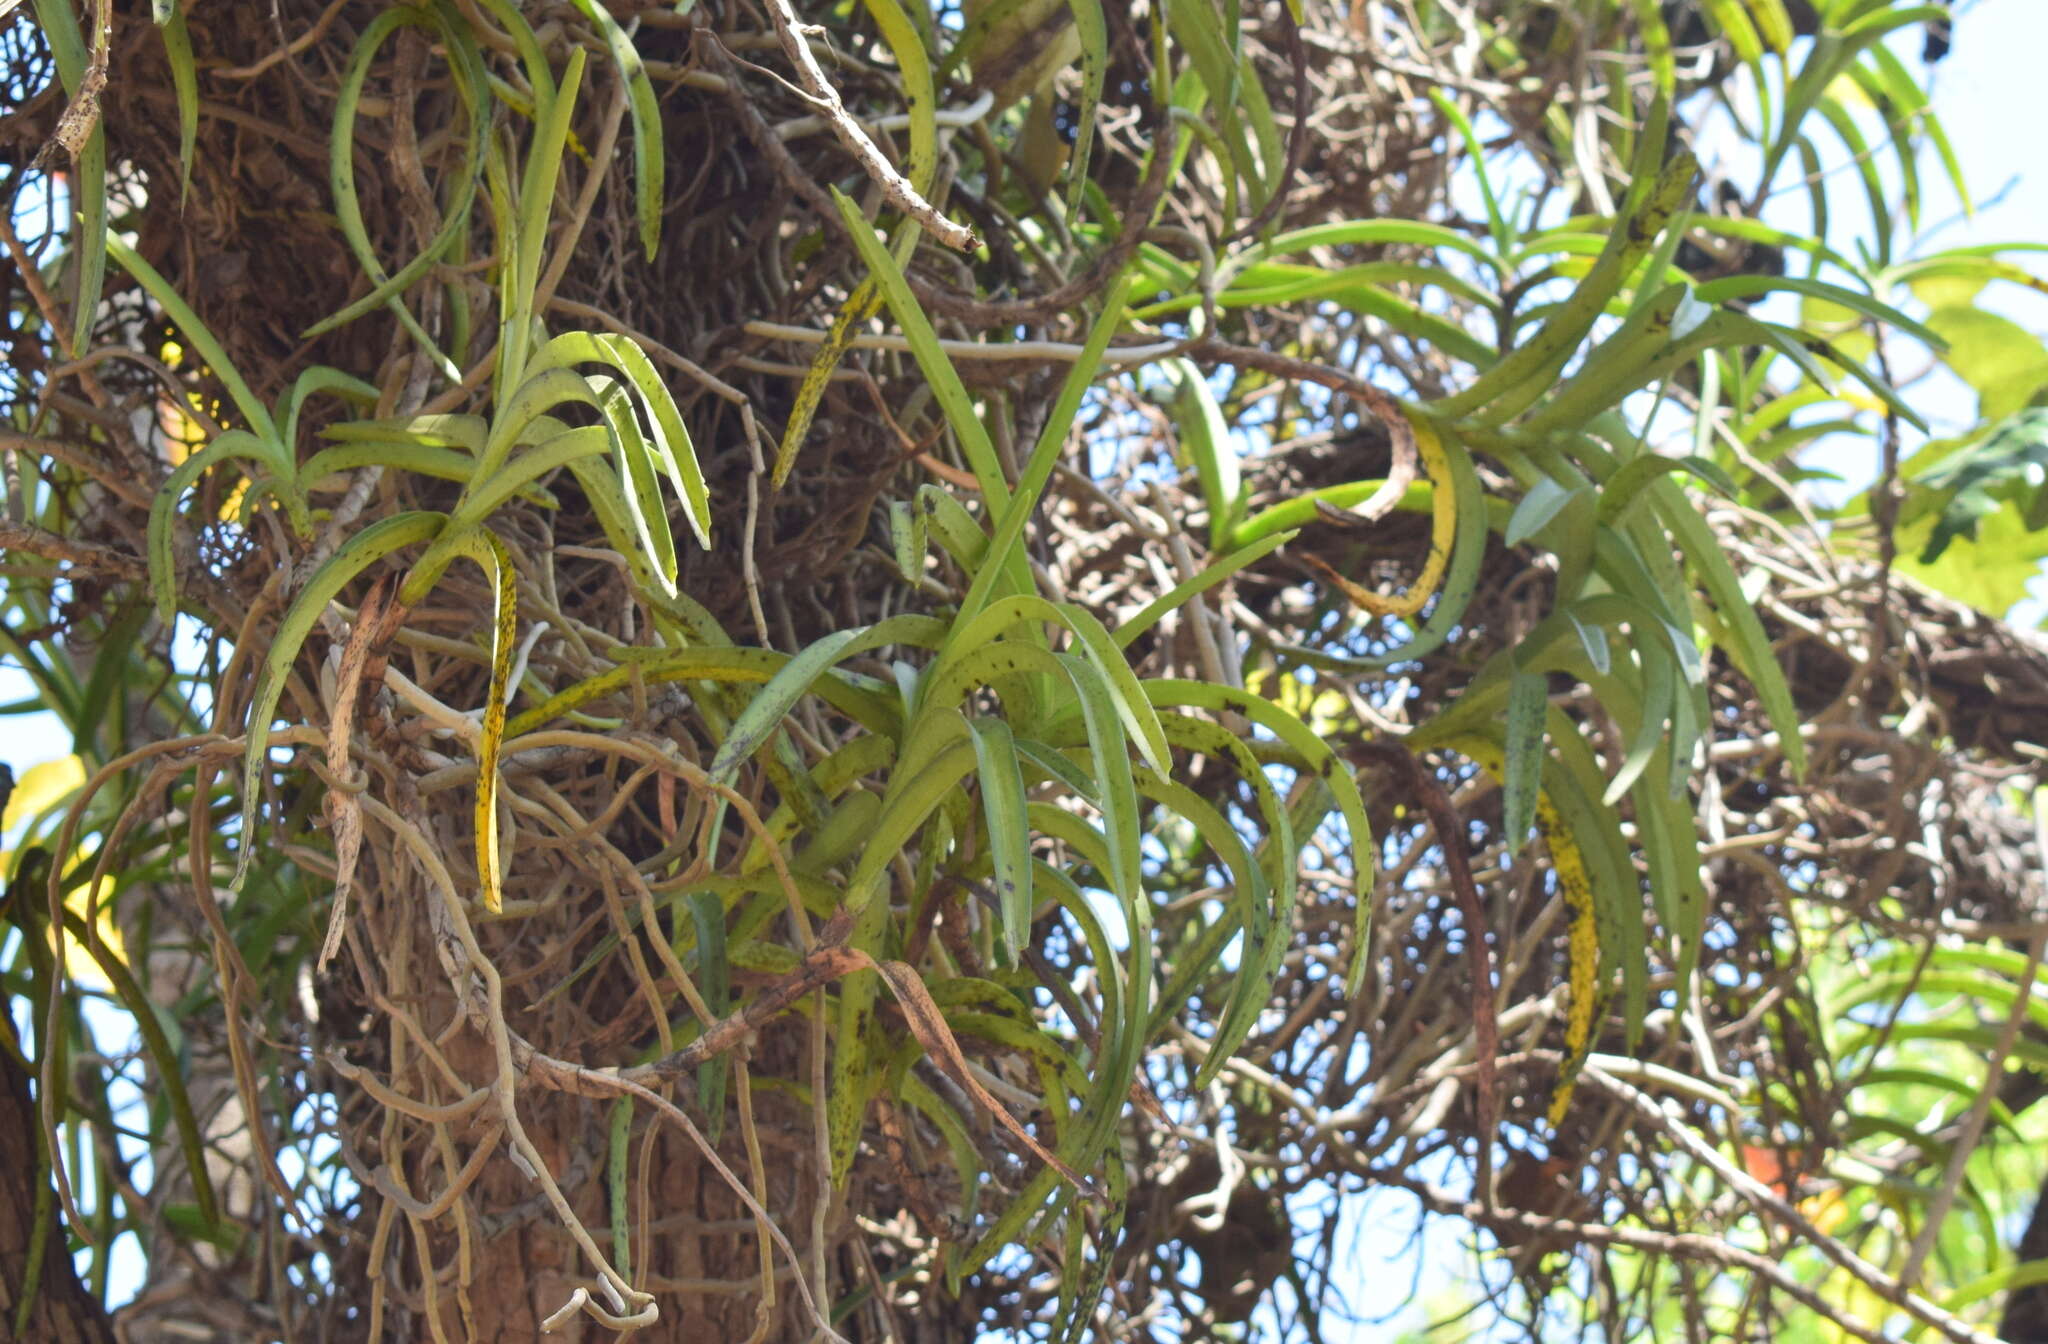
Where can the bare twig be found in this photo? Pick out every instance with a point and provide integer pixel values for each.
(896, 187)
(1451, 839)
(1972, 1129)
(1693, 1246)
(82, 555)
(1769, 1202)
(82, 113)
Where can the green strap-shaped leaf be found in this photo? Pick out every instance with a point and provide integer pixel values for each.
(202, 344)
(1178, 596)
(518, 476)
(1110, 984)
(314, 381)
(1267, 143)
(914, 794)
(1321, 760)
(1749, 646)
(1205, 439)
(177, 39)
(634, 460)
(467, 71)
(519, 282)
(1528, 371)
(1005, 546)
(714, 982)
(939, 373)
(671, 441)
(796, 678)
(1659, 696)
(466, 433)
(1009, 837)
(618, 1159)
(531, 55)
(1090, 27)
(1665, 831)
(645, 110)
(1542, 503)
(163, 510)
(1497, 225)
(1248, 881)
(1112, 762)
(1212, 47)
(1528, 698)
(848, 824)
(1627, 483)
(1364, 233)
(1261, 911)
(1593, 640)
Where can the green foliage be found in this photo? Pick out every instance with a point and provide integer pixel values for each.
(923, 801)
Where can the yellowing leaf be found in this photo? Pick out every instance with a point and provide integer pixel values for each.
(1015, 52)
(79, 964)
(231, 507)
(1949, 291)
(42, 787)
(1991, 572)
(1845, 328)
(2001, 359)
(1850, 94)
(182, 434)
(1323, 709)
(78, 960)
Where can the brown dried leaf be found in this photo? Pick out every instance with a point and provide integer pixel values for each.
(929, 1026)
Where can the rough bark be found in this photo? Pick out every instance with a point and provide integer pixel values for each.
(2026, 1309)
(63, 1312)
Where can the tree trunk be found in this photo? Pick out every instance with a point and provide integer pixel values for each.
(63, 1312)
(2026, 1308)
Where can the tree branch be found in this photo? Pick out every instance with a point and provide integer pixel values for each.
(82, 555)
